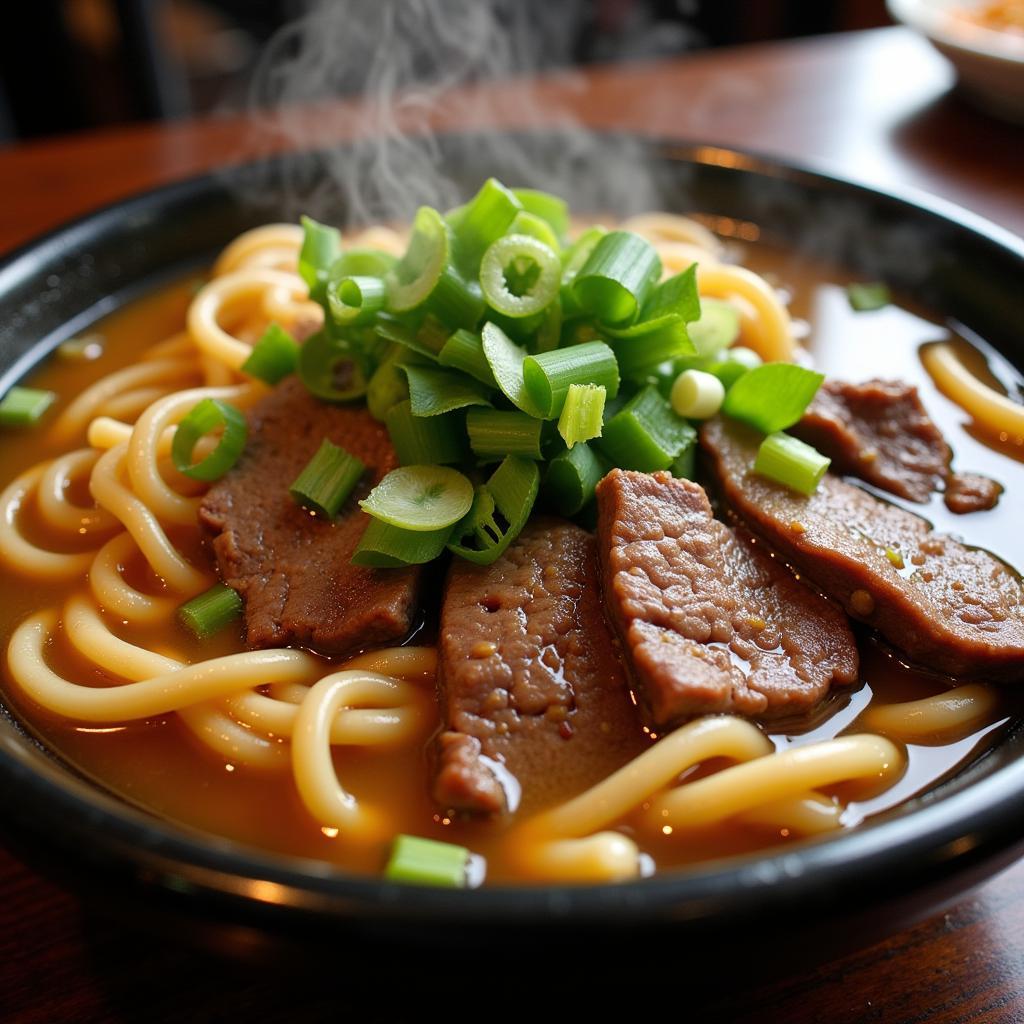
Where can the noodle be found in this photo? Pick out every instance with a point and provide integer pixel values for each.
(281, 710)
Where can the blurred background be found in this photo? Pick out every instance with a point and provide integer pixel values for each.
(70, 65)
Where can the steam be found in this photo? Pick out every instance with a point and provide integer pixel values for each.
(408, 67)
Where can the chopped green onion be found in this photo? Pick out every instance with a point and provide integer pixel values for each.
(520, 276)
(273, 357)
(572, 478)
(420, 498)
(428, 862)
(772, 397)
(536, 227)
(23, 407)
(321, 246)
(327, 480)
(495, 433)
(645, 434)
(548, 376)
(573, 260)
(360, 262)
(205, 417)
(549, 333)
(82, 350)
(388, 386)
(791, 462)
(423, 441)
(644, 346)
(582, 416)
(483, 220)
(678, 294)
(546, 206)
(717, 328)
(500, 510)
(617, 278)
(425, 339)
(464, 351)
(433, 392)
(697, 395)
(866, 297)
(330, 369)
(383, 546)
(736, 362)
(506, 360)
(211, 611)
(685, 463)
(412, 280)
(355, 299)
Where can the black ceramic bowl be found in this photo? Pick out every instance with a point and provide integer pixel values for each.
(872, 879)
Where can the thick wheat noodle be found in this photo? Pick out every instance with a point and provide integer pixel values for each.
(178, 345)
(170, 691)
(73, 420)
(145, 445)
(602, 857)
(216, 729)
(55, 508)
(660, 227)
(321, 791)
(991, 410)
(139, 521)
(19, 553)
(770, 332)
(959, 710)
(261, 247)
(116, 595)
(679, 256)
(782, 775)
(220, 294)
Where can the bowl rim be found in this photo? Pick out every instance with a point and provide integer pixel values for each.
(959, 831)
(933, 18)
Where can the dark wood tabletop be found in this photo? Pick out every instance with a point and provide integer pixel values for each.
(876, 106)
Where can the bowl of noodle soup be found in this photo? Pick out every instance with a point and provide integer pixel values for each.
(181, 282)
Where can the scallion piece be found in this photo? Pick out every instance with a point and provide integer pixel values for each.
(506, 360)
(427, 862)
(355, 299)
(420, 498)
(864, 297)
(24, 407)
(790, 461)
(411, 281)
(495, 433)
(547, 206)
(678, 294)
(383, 546)
(641, 348)
(520, 276)
(734, 363)
(536, 227)
(421, 338)
(419, 440)
(697, 395)
(500, 510)
(321, 246)
(361, 262)
(211, 611)
(387, 387)
(464, 351)
(772, 397)
(582, 416)
(571, 479)
(433, 392)
(717, 328)
(645, 434)
(483, 220)
(685, 463)
(617, 278)
(205, 417)
(548, 376)
(273, 357)
(330, 369)
(327, 481)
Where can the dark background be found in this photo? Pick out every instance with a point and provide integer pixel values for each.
(71, 65)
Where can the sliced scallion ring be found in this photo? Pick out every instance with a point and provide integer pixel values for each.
(420, 498)
(355, 299)
(415, 276)
(205, 417)
(330, 370)
(520, 275)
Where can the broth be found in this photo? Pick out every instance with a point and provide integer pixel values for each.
(159, 765)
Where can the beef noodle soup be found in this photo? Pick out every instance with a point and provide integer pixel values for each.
(630, 686)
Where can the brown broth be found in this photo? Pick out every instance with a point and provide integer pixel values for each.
(159, 765)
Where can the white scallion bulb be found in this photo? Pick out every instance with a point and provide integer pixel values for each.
(697, 395)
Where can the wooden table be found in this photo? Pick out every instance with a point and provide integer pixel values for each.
(873, 105)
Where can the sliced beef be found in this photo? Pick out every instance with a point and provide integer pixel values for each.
(534, 697)
(956, 609)
(971, 492)
(709, 621)
(294, 569)
(879, 431)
